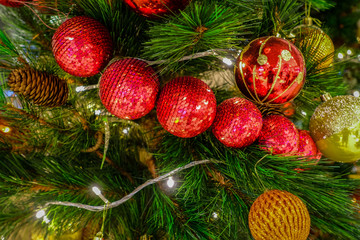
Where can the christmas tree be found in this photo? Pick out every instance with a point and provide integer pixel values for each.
(158, 119)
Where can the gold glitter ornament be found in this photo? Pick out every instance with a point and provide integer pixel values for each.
(315, 45)
(335, 128)
(279, 214)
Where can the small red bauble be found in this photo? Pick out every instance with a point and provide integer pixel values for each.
(82, 46)
(154, 8)
(12, 3)
(307, 146)
(128, 88)
(237, 123)
(279, 135)
(270, 70)
(186, 107)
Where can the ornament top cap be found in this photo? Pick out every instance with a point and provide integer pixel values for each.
(326, 97)
(308, 21)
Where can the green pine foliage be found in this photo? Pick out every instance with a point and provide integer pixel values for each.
(46, 156)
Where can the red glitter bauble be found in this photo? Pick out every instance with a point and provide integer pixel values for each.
(128, 88)
(154, 8)
(307, 146)
(270, 70)
(12, 3)
(279, 135)
(82, 46)
(186, 107)
(237, 123)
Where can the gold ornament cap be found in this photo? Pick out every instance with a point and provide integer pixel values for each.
(308, 21)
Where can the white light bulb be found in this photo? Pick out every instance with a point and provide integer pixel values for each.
(80, 89)
(2, 238)
(215, 215)
(126, 130)
(356, 93)
(97, 112)
(96, 190)
(349, 52)
(340, 56)
(227, 61)
(40, 214)
(303, 112)
(170, 182)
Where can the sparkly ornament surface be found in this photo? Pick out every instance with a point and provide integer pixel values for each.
(186, 107)
(279, 215)
(237, 123)
(319, 46)
(335, 128)
(82, 46)
(279, 135)
(307, 146)
(12, 3)
(270, 70)
(128, 88)
(155, 8)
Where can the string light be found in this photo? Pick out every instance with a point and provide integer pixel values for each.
(97, 112)
(356, 93)
(215, 215)
(40, 214)
(340, 56)
(349, 52)
(227, 61)
(126, 130)
(5, 129)
(97, 191)
(303, 112)
(2, 238)
(46, 220)
(170, 182)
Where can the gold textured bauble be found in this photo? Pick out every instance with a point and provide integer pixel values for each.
(315, 45)
(335, 128)
(279, 215)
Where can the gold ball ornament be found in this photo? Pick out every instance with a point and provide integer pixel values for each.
(335, 128)
(315, 45)
(279, 214)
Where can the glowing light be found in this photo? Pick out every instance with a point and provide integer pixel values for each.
(96, 190)
(5, 129)
(40, 214)
(126, 130)
(227, 61)
(303, 112)
(348, 52)
(46, 220)
(2, 238)
(340, 56)
(80, 89)
(170, 182)
(97, 112)
(356, 93)
(215, 215)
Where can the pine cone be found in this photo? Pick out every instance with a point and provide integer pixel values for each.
(39, 87)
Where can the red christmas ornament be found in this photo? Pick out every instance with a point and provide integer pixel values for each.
(13, 3)
(186, 107)
(279, 135)
(270, 70)
(128, 88)
(307, 146)
(155, 8)
(82, 46)
(237, 123)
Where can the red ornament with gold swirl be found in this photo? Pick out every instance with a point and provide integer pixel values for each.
(270, 70)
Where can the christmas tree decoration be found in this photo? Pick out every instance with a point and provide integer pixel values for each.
(307, 147)
(156, 8)
(270, 70)
(82, 46)
(13, 3)
(335, 128)
(128, 88)
(279, 135)
(237, 123)
(39, 87)
(186, 107)
(318, 45)
(279, 214)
